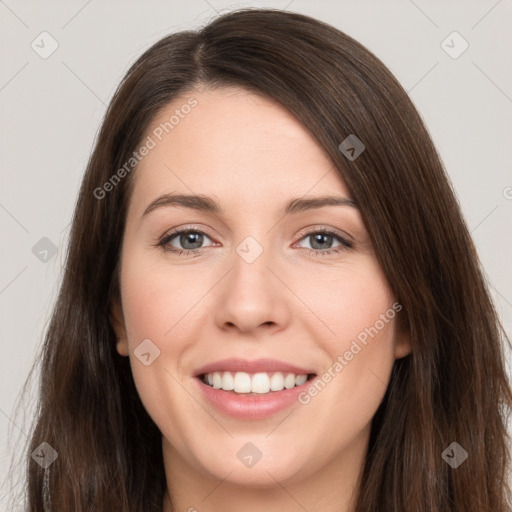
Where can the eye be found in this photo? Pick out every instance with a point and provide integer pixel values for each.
(321, 242)
(190, 240)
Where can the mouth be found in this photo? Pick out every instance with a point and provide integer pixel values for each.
(252, 389)
(254, 383)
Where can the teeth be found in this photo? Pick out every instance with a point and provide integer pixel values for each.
(228, 382)
(300, 379)
(261, 383)
(242, 382)
(217, 380)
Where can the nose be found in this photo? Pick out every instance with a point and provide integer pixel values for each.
(252, 298)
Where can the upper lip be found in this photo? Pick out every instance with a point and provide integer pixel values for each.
(254, 366)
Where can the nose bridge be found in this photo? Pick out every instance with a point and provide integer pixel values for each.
(250, 294)
(249, 250)
(250, 260)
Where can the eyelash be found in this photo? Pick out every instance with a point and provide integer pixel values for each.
(345, 244)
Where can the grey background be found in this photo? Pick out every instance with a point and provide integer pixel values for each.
(51, 110)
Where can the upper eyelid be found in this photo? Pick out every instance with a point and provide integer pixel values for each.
(321, 227)
(186, 229)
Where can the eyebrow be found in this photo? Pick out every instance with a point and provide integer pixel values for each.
(207, 204)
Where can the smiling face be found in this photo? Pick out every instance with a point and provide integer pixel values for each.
(254, 275)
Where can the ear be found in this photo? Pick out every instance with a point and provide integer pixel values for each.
(403, 346)
(117, 321)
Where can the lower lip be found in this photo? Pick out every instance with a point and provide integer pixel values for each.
(252, 407)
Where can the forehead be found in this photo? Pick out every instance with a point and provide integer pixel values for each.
(237, 146)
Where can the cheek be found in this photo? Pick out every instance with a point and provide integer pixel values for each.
(358, 313)
(158, 311)
(156, 301)
(349, 302)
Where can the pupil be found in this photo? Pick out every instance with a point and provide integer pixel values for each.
(196, 238)
(317, 240)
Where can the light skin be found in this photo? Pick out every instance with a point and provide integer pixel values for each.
(293, 303)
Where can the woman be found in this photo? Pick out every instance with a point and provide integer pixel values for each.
(207, 352)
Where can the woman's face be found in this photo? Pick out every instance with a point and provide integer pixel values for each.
(251, 278)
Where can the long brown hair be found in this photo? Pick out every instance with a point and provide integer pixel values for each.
(451, 388)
